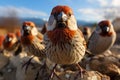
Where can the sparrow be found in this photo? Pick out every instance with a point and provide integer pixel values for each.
(11, 42)
(12, 45)
(102, 39)
(65, 43)
(32, 40)
(86, 33)
(18, 58)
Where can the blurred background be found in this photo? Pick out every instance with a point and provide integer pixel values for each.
(87, 12)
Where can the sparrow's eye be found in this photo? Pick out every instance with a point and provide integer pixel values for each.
(26, 28)
(8, 39)
(105, 29)
(55, 15)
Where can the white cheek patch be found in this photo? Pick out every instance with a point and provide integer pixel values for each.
(14, 40)
(10, 39)
(51, 23)
(108, 29)
(34, 31)
(111, 28)
(72, 24)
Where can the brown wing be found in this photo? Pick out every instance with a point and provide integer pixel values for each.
(82, 38)
(40, 36)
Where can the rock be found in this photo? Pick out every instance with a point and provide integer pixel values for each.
(107, 63)
(3, 61)
(88, 75)
(105, 68)
(32, 70)
(14, 71)
(9, 72)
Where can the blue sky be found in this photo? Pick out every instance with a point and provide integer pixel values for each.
(88, 10)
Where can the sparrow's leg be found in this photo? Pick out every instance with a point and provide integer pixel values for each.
(26, 65)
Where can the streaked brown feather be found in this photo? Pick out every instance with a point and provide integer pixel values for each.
(26, 40)
(33, 43)
(61, 35)
(40, 36)
(69, 52)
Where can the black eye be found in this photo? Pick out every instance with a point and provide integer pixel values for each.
(55, 15)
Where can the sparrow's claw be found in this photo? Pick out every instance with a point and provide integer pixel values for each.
(36, 78)
(41, 68)
(26, 65)
(81, 71)
(53, 73)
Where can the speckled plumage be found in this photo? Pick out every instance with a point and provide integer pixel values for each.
(64, 45)
(36, 47)
(100, 42)
(32, 42)
(69, 52)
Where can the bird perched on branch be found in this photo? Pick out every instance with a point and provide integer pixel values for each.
(102, 38)
(65, 43)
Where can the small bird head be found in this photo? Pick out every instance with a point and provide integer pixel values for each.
(105, 27)
(86, 30)
(9, 40)
(29, 28)
(62, 17)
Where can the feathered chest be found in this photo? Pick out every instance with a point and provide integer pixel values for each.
(98, 44)
(63, 43)
(26, 40)
(60, 35)
(64, 48)
(11, 46)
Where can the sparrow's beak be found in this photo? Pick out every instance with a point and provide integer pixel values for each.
(62, 17)
(61, 20)
(26, 30)
(9, 39)
(105, 29)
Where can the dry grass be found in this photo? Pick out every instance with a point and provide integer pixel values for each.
(3, 31)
